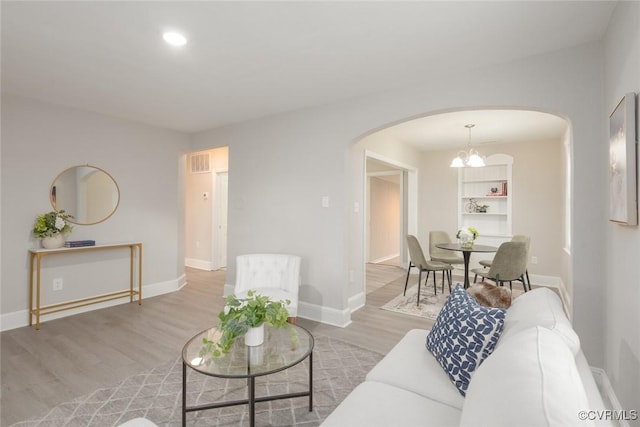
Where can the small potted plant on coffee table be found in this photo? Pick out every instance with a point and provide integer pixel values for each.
(246, 316)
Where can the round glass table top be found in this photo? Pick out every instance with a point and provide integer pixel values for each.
(282, 348)
(459, 247)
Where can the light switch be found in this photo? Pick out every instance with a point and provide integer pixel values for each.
(325, 201)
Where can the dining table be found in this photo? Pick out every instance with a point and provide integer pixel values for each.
(466, 254)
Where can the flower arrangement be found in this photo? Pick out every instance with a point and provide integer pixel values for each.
(51, 223)
(240, 314)
(467, 233)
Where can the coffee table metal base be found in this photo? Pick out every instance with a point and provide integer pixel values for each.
(251, 400)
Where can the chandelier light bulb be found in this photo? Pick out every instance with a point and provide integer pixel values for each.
(457, 162)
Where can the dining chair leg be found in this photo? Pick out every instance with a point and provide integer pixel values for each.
(406, 282)
(419, 282)
(426, 280)
(524, 283)
(449, 280)
(526, 272)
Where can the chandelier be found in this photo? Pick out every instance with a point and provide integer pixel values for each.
(470, 157)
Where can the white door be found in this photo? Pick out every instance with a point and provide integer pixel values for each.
(220, 225)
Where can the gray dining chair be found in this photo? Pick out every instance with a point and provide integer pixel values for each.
(442, 255)
(516, 238)
(418, 260)
(509, 264)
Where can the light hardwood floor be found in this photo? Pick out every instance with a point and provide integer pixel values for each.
(76, 355)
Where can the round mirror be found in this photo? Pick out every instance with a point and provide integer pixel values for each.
(88, 193)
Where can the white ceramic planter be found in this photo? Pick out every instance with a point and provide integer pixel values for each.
(53, 242)
(254, 336)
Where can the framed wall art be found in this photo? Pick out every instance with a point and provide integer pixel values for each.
(623, 195)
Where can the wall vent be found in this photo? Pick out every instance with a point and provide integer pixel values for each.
(199, 163)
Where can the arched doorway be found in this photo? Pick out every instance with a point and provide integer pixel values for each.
(539, 142)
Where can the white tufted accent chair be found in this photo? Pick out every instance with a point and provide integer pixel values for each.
(274, 275)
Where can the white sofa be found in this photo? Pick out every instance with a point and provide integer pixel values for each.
(537, 375)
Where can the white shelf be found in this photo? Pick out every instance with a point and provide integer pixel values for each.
(470, 181)
(484, 197)
(484, 213)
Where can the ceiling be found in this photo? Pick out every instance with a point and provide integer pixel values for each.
(246, 60)
(447, 130)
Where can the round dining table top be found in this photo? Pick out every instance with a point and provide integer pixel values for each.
(459, 247)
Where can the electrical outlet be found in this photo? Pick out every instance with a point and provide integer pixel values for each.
(534, 260)
(57, 284)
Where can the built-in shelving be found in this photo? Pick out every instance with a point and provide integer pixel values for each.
(489, 186)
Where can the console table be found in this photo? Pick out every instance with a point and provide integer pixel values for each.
(38, 254)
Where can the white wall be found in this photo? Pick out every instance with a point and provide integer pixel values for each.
(281, 167)
(622, 286)
(279, 171)
(38, 142)
(384, 218)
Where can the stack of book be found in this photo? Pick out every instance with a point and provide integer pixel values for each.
(79, 243)
(502, 191)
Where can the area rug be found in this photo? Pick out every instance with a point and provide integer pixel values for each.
(430, 304)
(338, 367)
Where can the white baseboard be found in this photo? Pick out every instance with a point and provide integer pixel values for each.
(608, 394)
(357, 301)
(385, 258)
(317, 313)
(18, 319)
(326, 315)
(199, 264)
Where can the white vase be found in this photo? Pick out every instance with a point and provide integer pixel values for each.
(466, 241)
(53, 242)
(254, 336)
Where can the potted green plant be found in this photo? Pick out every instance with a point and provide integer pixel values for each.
(51, 226)
(241, 315)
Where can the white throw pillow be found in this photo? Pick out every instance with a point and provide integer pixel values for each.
(531, 380)
(539, 307)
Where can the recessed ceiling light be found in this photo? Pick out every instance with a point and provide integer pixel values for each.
(174, 39)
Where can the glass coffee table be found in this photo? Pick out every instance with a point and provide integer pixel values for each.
(282, 349)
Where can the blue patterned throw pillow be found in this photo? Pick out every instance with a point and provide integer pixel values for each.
(464, 334)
